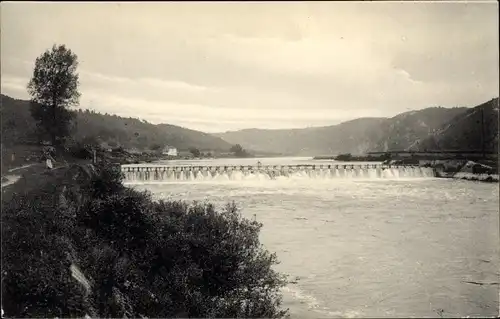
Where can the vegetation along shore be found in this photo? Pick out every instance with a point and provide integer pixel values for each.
(137, 257)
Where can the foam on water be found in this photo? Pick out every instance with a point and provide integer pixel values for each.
(315, 306)
(202, 175)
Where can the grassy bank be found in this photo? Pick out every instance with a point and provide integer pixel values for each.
(132, 256)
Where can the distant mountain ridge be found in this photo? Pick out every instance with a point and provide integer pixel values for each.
(403, 130)
(413, 130)
(18, 127)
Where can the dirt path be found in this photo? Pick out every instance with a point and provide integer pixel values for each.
(11, 179)
(14, 174)
(20, 167)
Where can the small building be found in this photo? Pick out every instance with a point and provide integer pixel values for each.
(170, 151)
(134, 150)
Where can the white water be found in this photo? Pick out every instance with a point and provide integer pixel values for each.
(397, 245)
(200, 175)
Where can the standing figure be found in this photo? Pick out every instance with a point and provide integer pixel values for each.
(48, 158)
(48, 163)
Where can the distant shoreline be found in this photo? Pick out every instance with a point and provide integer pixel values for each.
(350, 158)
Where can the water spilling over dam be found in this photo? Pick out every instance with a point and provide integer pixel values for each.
(165, 173)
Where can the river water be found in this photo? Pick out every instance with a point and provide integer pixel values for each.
(368, 247)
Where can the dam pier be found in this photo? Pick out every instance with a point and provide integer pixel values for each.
(162, 172)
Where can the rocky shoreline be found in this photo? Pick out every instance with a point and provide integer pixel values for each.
(470, 171)
(488, 178)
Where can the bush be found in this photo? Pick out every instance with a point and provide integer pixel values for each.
(344, 157)
(142, 258)
(36, 256)
(81, 151)
(106, 182)
(118, 150)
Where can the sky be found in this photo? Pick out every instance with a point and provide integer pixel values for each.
(225, 66)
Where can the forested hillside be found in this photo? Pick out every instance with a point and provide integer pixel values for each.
(403, 130)
(467, 131)
(18, 127)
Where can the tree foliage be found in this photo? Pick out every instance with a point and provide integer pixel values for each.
(343, 157)
(238, 151)
(237, 148)
(196, 152)
(53, 89)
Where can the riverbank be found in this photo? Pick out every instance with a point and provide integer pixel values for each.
(351, 158)
(491, 178)
(77, 242)
(466, 170)
(487, 178)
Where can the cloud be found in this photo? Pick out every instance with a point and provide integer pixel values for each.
(241, 65)
(222, 118)
(13, 84)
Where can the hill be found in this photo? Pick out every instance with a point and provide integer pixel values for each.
(18, 127)
(350, 136)
(465, 131)
(356, 137)
(404, 130)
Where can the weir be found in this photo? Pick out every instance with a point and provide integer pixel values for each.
(166, 173)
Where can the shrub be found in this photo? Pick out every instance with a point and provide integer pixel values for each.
(142, 258)
(343, 157)
(79, 150)
(107, 182)
(36, 256)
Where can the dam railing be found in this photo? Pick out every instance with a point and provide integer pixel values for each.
(162, 167)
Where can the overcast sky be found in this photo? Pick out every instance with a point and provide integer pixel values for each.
(227, 66)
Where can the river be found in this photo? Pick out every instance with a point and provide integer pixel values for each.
(368, 247)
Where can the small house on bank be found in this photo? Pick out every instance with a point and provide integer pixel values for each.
(170, 151)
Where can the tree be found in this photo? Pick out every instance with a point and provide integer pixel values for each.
(236, 149)
(53, 89)
(196, 152)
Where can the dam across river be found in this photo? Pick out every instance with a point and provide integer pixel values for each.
(163, 172)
